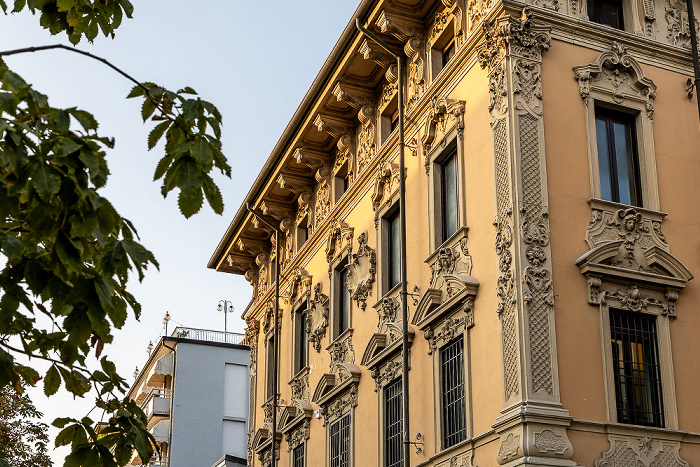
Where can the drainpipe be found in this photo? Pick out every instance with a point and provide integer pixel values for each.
(172, 399)
(402, 214)
(275, 342)
(694, 49)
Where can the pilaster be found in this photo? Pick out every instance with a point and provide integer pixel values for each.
(532, 424)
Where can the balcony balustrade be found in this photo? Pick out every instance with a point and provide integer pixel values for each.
(156, 403)
(209, 335)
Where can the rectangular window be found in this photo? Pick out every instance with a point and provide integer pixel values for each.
(302, 234)
(635, 356)
(448, 195)
(342, 300)
(340, 442)
(300, 360)
(607, 13)
(454, 426)
(298, 456)
(270, 367)
(393, 248)
(448, 52)
(618, 161)
(393, 421)
(394, 120)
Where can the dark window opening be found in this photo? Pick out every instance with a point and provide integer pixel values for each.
(393, 256)
(342, 315)
(302, 233)
(635, 356)
(618, 161)
(301, 359)
(607, 13)
(448, 52)
(454, 427)
(448, 196)
(393, 421)
(270, 366)
(394, 120)
(340, 442)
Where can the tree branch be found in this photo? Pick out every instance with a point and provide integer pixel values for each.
(99, 59)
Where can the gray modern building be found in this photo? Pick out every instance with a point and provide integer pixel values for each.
(194, 391)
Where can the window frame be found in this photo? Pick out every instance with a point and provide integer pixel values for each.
(338, 270)
(329, 441)
(610, 117)
(636, 98)
(384, 450)
(292, 455)
(269, 355)
(651, 371)
(300, 315)
(451, 147)
(388, 224)
(663, 333)
(441, 398)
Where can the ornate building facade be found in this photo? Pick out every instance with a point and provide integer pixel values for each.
(551, 158)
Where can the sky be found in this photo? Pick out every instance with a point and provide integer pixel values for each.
(253, 60)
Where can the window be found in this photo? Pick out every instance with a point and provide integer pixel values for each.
(302, 234)
(394, 120)
(341, 181)
(298, 456)
(393, 420)
(448, 196)
(618, 162)
(301, 339)
(270, 366)
(453, 395)
(636, 369)
(393, 249)
(448, 52)
(340, 442)
(341, 318)
(607, 13)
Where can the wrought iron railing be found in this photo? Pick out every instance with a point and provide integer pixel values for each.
(148, 404)
(209, 335)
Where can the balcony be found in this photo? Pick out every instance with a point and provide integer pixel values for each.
(207, 335)
(156, 403)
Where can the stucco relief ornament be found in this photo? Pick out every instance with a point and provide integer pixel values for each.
(361, 272)
(548, 4)
(641, 452)
(527, 86)
(300, 387)
(323, 202)
(678, 23)
(317, 317)
(616, 72)
(388, 373)
(367, 138)
(388, 311)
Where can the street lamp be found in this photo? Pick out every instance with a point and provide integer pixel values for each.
(226, 307)
(166, 318)
(149, 349)
(136, 373)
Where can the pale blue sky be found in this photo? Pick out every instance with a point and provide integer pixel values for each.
(255, 61)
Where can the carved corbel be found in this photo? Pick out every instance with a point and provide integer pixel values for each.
(317, 317)
(311, 158)
(410, 31)
(354, 95)
(297, 185)
(341, 129)
(371, 51)
(254, 246)
(277, 210)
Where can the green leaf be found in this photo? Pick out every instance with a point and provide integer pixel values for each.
(162, 167)
(19, 6)
(189, 107)
(186, 90)
(157, 133)
(136, 91)
(214, 198)
(46, 181)
(52, 381)
(190, 202)
(128, 7)
(3, 462)
(201, 151)
(147, 109)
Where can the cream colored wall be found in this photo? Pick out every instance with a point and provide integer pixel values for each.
(676, 140)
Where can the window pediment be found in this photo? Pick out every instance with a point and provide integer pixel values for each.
(295, 414)
(382, 347)
(436, 303)
(262, 439)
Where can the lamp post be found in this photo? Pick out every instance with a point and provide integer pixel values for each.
(166, 318)
(226, 307)
(149, 349)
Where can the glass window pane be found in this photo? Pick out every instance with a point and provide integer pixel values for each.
(394, 250)
(601, 130)
(449, 197)
(624, 156)
(343, 302)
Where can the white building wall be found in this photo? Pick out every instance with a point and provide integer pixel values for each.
(209, 404)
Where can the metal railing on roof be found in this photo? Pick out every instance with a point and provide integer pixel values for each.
(208, 335)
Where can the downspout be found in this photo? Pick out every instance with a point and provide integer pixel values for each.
(402, 219)
(275, 341)
(694, 49)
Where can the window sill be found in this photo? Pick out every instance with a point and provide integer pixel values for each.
(461, 232)
(301, 373)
